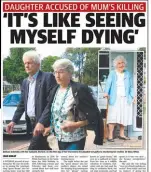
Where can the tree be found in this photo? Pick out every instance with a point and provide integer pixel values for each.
(91, 66)
(86, 62)
(13, 67)
(47, 63)
(77, 56)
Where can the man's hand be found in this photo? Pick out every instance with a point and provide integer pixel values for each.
(46, 131)
(39, 129)
(10, 127)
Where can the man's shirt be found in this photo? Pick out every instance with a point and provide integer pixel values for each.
(31, 95)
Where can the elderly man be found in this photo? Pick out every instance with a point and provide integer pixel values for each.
(34, 92)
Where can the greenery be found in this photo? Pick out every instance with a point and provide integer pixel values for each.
(84, 59)
(47, 62)
(77, 56)
(86, 62)
(13, 67)
(90, 75)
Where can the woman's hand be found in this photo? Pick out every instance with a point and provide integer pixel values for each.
(106, 95)
(69, 126)
(46, 131)
(134, 100)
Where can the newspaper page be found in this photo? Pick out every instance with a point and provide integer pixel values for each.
(107, 43)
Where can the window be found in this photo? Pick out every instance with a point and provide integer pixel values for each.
(103, 60)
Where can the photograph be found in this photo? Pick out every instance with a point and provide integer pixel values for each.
(55, 95)
(100, 91)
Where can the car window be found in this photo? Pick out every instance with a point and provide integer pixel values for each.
(11, 100)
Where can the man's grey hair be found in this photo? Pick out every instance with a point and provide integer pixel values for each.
(63, 64)
(32, 54)
(118, 58)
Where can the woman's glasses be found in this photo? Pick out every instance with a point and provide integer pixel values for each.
(59, 72)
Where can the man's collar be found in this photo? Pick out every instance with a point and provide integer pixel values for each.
(34, 77)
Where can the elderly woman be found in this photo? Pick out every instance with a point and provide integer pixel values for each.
(70, 108)
(120, 93)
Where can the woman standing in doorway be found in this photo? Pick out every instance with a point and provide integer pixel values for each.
(120, 93)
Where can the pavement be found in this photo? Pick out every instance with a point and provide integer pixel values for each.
(132, 143)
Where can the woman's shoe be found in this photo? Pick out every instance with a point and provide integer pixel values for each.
(110, 140)
(124, 138)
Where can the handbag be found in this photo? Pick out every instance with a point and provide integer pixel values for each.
(77, 115)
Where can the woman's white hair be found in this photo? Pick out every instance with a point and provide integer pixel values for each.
(63, 64)
(118, 58)
(32, 55)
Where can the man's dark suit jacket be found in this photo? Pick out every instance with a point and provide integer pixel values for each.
(85, 104)
(44, 83)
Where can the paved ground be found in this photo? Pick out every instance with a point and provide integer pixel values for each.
(133, 143)
(11, 141)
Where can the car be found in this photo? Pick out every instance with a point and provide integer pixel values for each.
(10, 103)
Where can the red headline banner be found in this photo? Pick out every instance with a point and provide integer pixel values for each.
(74, 7)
